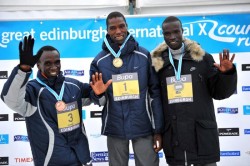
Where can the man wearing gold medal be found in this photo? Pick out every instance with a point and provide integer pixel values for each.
(132, 112)
(190, 80)
(52, 106)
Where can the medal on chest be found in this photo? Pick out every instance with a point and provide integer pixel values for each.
(117, 62)
(178, 86)
(60, 106)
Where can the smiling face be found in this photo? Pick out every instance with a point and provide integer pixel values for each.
(172, 32)
(49, 63)
(117, 29)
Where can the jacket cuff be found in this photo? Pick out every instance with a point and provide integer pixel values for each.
(230, 72)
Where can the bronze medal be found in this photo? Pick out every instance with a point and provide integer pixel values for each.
(60, 106)
(117, 62)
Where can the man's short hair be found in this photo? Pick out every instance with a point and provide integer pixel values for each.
(46, 48)
(172, 19)
(113, 15)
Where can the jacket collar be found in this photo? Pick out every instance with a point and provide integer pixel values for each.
(129, 47)
(192, 51)
(54, 83)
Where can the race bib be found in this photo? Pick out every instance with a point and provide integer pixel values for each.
(125, 86)
(179, 91)
(68, 119)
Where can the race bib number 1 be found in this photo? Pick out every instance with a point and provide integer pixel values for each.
(125, 86)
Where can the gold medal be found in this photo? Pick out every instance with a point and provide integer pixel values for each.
(60, 106)
(117, 62)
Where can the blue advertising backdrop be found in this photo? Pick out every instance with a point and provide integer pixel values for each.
(83, 38)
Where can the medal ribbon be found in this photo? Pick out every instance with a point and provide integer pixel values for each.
(177, 72)
(59, 98)
(111, 49)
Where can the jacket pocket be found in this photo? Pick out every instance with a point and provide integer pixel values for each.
(207, 137)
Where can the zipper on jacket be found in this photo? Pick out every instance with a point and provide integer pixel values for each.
(185, 155)
(201, 78)
(106, 118)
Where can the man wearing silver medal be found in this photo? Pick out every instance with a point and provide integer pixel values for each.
(190, 80)
(52, 106)
(133, 111)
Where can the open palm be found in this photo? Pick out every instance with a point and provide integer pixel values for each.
(226, 63)
(97, 84)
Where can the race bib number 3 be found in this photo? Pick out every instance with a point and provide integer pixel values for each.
(68, 119)
(125, 86)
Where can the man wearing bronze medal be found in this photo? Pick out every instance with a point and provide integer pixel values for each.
(190, 80)
(132, 112)
(52, 106)
(60, 106)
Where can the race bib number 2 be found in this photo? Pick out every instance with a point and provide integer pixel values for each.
(179, 91)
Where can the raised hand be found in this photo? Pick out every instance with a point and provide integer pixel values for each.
(226, 63)
(97, 84)
(26, 52)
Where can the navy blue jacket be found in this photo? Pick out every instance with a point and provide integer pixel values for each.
(33, 101)
(136, 117)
